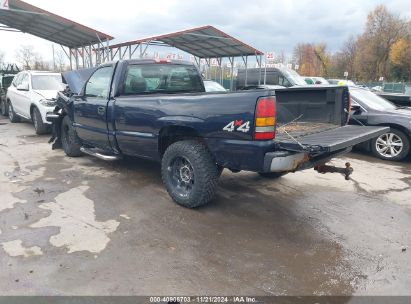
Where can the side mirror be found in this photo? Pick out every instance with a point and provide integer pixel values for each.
(355, 109)
(23, 87)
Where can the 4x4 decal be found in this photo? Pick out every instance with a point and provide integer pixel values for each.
(237, 125)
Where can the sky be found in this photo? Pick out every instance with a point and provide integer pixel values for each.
(268, 25)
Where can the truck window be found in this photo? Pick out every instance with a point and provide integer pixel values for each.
(162, 78)
(99, 83)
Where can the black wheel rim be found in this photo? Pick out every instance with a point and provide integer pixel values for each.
(181, 174)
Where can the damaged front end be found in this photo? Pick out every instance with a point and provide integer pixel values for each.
(63, 107)
(75, 81)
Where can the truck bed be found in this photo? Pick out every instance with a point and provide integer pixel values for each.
(334, 139)
(299, 129)
(308, 110)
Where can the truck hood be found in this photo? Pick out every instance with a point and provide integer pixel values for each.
(76, 79)
(46, 94)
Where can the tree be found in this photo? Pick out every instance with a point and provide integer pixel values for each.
(382, 30)
(320, 51)
(313, 59)
(39, 64)
(60, 59)
(25, 55)
(400, 58)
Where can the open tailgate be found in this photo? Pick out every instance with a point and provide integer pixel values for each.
(332, 140)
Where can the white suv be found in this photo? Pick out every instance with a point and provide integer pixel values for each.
(32, 95)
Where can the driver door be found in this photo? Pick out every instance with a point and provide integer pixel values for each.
(90, 108)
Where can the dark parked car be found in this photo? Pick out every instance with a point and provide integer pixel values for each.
(159, 110)
(5, 82)
(372, 110)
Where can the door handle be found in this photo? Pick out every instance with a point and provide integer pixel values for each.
(101, 110)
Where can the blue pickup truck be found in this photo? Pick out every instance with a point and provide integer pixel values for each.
(159, 110)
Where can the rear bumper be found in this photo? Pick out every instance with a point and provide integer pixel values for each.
(286, 161)
(283, 156)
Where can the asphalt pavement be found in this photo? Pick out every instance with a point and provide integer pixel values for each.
(81, 226)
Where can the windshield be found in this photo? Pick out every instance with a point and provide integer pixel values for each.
(295, 78)
(212, 86)
(162, 78)
(372, 100)
(46, 82)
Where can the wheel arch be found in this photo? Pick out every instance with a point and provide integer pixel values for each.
(173, 133)
(32, 106)
(398, 127)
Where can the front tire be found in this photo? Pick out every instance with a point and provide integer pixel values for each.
(393, 145)
(69, 139)
(39, 125)
(12, 115)
(189, 173)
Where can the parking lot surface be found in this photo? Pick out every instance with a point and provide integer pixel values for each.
(86, 227)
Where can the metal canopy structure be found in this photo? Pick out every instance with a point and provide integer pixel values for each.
(206, 42)
(203, 42)
(33, 20)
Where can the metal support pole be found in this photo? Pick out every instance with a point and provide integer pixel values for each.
(71, 60)
(232, 73)
(107, 47)
(220, 60)
(77, 59)
(98, 54)
(83, 57)
(245, 60)
(259, 65)
(90, 56)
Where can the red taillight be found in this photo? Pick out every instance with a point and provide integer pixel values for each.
(265, 107)
(264, 135)
(265, 113)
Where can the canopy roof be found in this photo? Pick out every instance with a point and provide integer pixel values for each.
(41, 23)
(204, 42)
